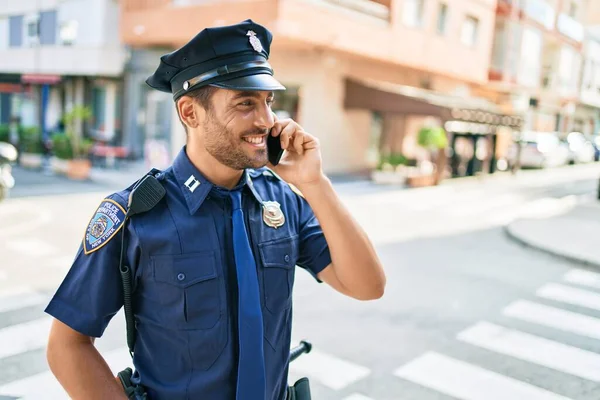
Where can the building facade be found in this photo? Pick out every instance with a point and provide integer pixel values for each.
(536, 61)
(320, 49)
(57, 54)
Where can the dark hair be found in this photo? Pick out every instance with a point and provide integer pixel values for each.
(202, 96)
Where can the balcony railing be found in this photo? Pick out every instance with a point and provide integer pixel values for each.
(375, 8)
(570, 27)
(541, 12)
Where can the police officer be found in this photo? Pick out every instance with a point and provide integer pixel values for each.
(212, 264)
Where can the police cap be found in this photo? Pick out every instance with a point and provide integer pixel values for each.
(230, 57)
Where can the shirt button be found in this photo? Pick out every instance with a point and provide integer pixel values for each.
(180, 277)
(286, 258)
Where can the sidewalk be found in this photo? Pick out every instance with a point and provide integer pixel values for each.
(572, 235)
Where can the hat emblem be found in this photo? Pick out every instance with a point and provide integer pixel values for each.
(255, 41)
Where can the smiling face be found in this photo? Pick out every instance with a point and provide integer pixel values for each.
(235, 126)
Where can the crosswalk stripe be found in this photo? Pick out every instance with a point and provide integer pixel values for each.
(468, 382)
(583, 277)
(330, 371)
(554, 317)
(24, 337)
(541, 351)
(567, 294)
(357, 396)
(45, 385)
(20, 298)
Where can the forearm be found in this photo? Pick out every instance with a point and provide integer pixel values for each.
(82, 372)
(356, 264)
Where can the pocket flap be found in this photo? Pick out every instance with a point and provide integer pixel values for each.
(280, 253)
(184, 269)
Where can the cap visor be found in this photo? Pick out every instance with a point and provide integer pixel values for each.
(251, 82)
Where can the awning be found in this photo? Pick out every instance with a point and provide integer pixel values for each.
(40, 79)
(399, 99)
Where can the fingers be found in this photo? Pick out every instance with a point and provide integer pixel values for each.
(287, 134)
(299, 142)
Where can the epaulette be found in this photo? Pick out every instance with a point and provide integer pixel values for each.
(269, 171)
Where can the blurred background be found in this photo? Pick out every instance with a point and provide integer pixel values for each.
(464, 135)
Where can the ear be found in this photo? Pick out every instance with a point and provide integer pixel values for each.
(189, 112)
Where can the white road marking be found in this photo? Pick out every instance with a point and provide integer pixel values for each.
(554, 317)
(583, 277)
(330, 371)
(31, 247)
(534, 349)
(45, 385)
(357, 396)
(21, 297)
(468, 382)
(567, 294)
(24, 337)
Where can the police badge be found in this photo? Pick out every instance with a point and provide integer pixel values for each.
(272, 214)
(255, 41)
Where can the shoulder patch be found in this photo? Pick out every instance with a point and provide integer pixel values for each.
(103, 226)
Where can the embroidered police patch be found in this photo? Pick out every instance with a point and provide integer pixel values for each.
(103, 226)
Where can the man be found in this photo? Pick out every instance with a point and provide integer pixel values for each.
(213, 262)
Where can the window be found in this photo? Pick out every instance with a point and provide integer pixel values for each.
(15, 31)
(98, 108)
(32, 29)
(468, 34)
(412, 15)
(48, 27)
(442, 18)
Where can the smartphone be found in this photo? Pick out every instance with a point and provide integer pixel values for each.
(274, 149)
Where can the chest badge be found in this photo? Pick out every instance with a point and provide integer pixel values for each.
(272, 214)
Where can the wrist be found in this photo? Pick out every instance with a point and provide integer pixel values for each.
(315, 186)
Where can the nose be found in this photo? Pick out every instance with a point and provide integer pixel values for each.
(265, 118)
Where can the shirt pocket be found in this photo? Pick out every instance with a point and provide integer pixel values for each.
(189, 287)
(278, 258)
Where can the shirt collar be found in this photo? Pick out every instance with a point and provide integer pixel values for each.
(195, 187)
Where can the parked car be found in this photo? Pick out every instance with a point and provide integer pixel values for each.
(581, 149)
(538, 150)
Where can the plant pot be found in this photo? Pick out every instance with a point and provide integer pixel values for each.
(30, 160)
(421, 180)
(59, 165)
(79, 169)
(387, 177)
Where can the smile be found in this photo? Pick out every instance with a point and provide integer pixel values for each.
(256, 141)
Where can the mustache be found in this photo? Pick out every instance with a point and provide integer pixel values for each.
(255, 132)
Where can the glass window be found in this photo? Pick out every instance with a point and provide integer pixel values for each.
(15, 31)
(68, 32)
(442, 18)
(468, 33)
(98, 108)
(48, 27)
(413, 13)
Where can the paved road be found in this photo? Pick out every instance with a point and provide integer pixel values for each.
(467, 314)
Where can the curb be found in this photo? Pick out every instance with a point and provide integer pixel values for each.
(546, 250)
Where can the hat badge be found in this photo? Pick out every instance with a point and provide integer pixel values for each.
(255, 41)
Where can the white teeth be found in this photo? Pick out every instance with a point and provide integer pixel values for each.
(254, 140)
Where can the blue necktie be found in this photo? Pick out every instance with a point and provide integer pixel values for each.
(251, 368)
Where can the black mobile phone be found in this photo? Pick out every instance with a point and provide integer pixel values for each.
(274, 149)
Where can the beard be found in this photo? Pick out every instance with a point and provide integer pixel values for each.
(227, 147)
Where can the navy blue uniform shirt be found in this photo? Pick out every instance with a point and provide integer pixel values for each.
(185, 299)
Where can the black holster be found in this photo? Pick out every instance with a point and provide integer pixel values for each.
(300, 390)
(133, 392)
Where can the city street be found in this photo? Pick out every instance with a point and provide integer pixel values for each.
(467, 313)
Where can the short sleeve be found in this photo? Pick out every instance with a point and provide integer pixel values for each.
(314, 251)
(91, 292)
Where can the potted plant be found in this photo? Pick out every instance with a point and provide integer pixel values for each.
(30, 147)
(71, 149)
(435, 141)
(390, 169)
